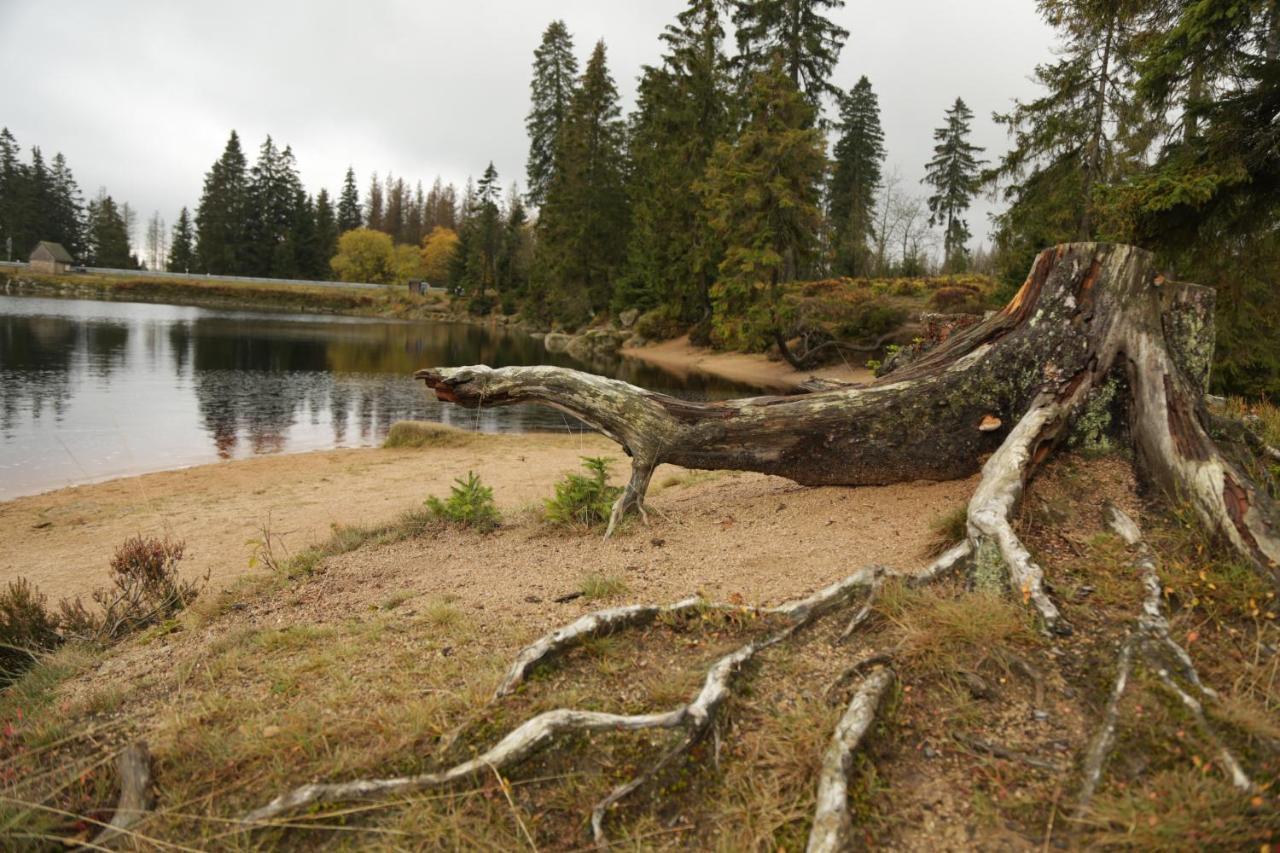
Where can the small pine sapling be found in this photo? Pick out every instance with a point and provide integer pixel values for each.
(584, 500)
(470, 504)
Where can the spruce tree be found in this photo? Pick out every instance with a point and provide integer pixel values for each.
(762, 193)
(220, 216)
(326, 244)
(799, 32)
(373, 213)
(554, 72)
(855, 181)
(349, 204)
(67, 209)
(107, 234)
(583, 226)
(486, 227)
(272, 211)
(514, 254)
(1064, 142)
(953, 174)
(684, 108)
(182, 253)
(10, 182)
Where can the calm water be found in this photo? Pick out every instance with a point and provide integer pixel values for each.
(92, 390)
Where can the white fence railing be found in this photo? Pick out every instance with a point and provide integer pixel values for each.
(241, 279)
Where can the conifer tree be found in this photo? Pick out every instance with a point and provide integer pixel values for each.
(298, 253)
(555, 70)
(1064, 142)
(272, 212)
(182, 251)
(220, 216)
(482, 240)
(583, 226)
(373, 205)
(953, 174)
(798, 31)
(684, 109)
(11, 180)
(326, 235)
(855, 181)
(108, 238)
(416, 215)
(349, 204)
(515, 253)
(67, 210)
(763, 192)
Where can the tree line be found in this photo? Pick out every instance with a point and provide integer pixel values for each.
(1157, 123)
(745, 165)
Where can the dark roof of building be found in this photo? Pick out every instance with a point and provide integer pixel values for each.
(55, 250)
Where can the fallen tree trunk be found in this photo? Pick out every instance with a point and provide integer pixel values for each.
(995, 396)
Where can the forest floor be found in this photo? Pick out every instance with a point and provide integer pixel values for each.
(380, 659)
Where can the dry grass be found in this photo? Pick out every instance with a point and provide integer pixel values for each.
(948, 529)
(944, 630)
(426, 434)
(270, 684)
(596, 586)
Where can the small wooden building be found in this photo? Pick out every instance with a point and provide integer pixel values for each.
(49, 257)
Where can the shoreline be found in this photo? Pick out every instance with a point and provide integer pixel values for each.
(62, 541)
(682, 358)
(678, 356)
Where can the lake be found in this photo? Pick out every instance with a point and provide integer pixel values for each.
(93, 390)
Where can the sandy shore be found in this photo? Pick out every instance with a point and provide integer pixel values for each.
(739, 530)
(683, 358)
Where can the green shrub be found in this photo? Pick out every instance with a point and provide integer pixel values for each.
(481, 306)
(660, 324)
(470, 504)
(27, 628)
(584, 500)
(870, 319)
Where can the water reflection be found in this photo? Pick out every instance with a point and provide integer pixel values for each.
(90, 390)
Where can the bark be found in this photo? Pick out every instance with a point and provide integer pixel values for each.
(1000, 392)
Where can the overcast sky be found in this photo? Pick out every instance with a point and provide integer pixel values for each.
(140, 95)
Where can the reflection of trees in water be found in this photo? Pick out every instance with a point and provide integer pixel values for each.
(40, 354)
(36, 355)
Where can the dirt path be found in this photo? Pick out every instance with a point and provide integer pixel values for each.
(725, 533)
(683, 358)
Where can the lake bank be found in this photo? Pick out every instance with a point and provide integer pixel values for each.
(62, 540)
(680, 357)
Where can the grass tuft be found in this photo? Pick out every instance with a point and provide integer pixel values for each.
(603, 586)
(948, 529)
(426, 434)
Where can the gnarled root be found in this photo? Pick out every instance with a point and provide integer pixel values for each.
(1151, 645)
(832, 826)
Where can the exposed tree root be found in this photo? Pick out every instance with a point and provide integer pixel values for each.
(998, 552)
(1007, 754)
(696, 718)
(832, 827)
(1151, 645)
(595, 624)
(136, 797)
